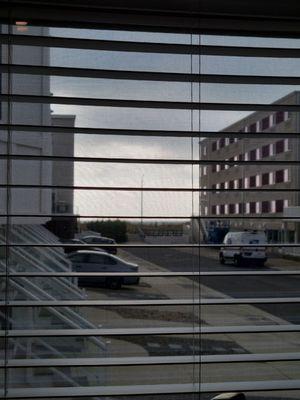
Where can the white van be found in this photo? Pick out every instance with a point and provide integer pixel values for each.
(241, 254)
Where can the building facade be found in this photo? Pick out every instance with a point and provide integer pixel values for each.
(219, 177)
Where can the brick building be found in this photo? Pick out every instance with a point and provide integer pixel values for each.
(265, 176)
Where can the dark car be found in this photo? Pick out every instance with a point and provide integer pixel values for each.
(101, 240)
(73, 242)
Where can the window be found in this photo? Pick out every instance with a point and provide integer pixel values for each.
(279, 176)
(101, 117)
(252, 181)
(279, 117)
(265, 151)
(231, 208)
(265, 207)
(279, 147)
(265, 123)
(253, 155)
(279, 206)
(252, 207)
(265, 178)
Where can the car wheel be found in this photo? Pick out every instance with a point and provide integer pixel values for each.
(222, 259)
(114, 283)
(238, 261)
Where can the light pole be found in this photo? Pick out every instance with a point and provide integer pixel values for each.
(142, 200)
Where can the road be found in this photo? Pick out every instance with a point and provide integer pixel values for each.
(170, 259)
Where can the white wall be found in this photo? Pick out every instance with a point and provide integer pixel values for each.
(35, 143)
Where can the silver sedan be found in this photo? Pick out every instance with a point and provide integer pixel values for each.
(96, 261)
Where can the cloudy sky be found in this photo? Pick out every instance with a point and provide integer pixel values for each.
(126, 203)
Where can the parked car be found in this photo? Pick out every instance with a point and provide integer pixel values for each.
(101, 240)
(71, 249)
(242, 254)
(96, 261)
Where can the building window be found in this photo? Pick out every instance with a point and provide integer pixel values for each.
(222, 143)
(241, 208)
(252, 127)
(279, 206)
(241, 183)
(236, 184)
(213, 186)
(252, 207)
(214, 146)
(279, 117)
(214, 168)
(265, 207)
(252, 181)
(222, 185)
(265, 123)
(241, 157)
(231, 208)
(253, 155)
(222, 167)
(222, 209)
(213, 210)
(279, 147)
(279, 176)
(231, 184)
(204, 150)
(231, 140)
(265, 151)
(265, 178)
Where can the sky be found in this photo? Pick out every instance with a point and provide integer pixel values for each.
(126, 203)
